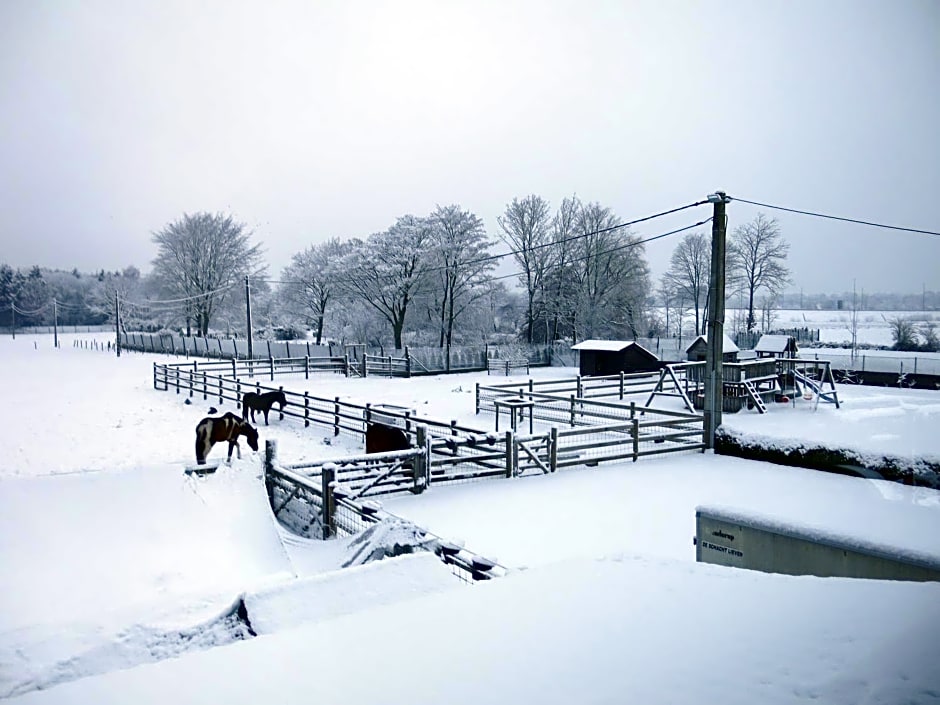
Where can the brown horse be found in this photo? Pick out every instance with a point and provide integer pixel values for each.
(215, 429)
(381, 438)
(252, 401)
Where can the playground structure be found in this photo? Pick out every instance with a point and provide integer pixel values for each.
(751, 384)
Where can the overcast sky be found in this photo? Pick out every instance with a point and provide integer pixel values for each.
(316, 119)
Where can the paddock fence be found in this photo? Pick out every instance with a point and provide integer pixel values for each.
(321, 500)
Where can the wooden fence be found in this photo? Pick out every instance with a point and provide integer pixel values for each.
(322, 501)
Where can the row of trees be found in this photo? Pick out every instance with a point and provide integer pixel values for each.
(582, 273)
(424, 280)
(755, 267)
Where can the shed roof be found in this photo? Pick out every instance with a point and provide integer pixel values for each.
(611, 346)
(727, 345)
(774, 343)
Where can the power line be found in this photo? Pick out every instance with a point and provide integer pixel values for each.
(836, 217)
(185, 299)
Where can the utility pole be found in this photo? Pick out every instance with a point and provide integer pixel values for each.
(55, 323)
(13, 318)
(117, 325)
(714, 380)
(251, 355)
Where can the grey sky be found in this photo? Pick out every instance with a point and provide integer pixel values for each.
(309, 120)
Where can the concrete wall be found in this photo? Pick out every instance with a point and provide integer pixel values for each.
(730, 539)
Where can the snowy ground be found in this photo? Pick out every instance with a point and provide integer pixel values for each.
(120, 573)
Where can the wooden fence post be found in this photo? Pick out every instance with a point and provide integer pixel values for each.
(365, 364)
(177, 375)
(407, 362)
(271, 363)
(423, 461)
(221, 397)
(621, 385)
(477, 397)
(336, 416)
(553, 449)
(306, 410)
(306, 367)
(192, 373)
(270, 455)
(281, 412)
(580, 388)
(635, 432)
(346, 364)
(155, 375)
(327, 517)
(572, 410)
(234, 372)
(205, 386)
(510, 447)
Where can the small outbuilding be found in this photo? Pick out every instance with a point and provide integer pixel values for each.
(697, 350)
(611, 357)
(776, 346)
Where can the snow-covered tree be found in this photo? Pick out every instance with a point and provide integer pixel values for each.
(387, 270)
(526, 227)
(200, 258)
(312, 282)
(461, 265)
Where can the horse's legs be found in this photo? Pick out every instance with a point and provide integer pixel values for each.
(266, 411)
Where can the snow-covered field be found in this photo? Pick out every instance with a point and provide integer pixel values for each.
(835, 326)
(121, 574)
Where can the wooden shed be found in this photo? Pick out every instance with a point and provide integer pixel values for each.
(697, 350)
(776, 346)
(611, 357)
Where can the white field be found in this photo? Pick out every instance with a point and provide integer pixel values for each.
(117, 567)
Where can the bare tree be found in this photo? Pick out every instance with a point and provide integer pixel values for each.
(200, 258)
(757, 255)
(688, 273)
(312, 277)
(526, 228)
(558, 297)
(387, 270)
(461, 263)
(611, 273)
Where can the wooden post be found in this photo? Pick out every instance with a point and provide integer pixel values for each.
(346, 364)
(336, 416)
(621, 385)
(580, 387)
(510, 445)
(477, 399)
(632, 410)
(365, 364)
(191, 375)
(306, 367)
(270, 456)
(327, 475)
(221, 397)
(234, 372)
(421, 463)
(714, 377)
(155, 375)
(205, 386)
(271, 363)
(407, 362)
(281, 412)
(177, 375)
(572, 410)
(553, 449)
(306, 410)
(635, 432)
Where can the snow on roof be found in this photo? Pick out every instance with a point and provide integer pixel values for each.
(611, 345)
(773, 343)
(727, 345)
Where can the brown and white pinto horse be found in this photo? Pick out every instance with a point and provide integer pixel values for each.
(216, 429)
